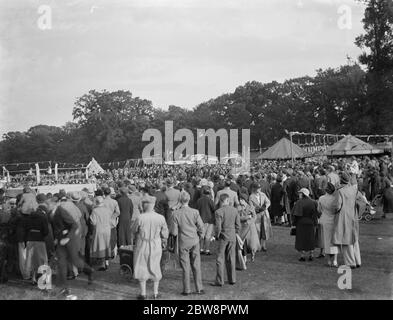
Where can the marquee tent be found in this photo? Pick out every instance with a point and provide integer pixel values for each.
(282, 150)
(93, 167)
(352, 146)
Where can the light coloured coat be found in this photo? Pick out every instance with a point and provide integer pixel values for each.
(346, 224)
(150, 229)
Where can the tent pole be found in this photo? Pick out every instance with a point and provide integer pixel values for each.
(290, 136)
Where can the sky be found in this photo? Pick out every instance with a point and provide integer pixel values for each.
(179, 52)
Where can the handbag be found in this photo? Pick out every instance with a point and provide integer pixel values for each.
(293, 231)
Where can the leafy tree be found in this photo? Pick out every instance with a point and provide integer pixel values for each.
(377, 56)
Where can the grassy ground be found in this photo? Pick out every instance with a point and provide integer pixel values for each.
(276, 274)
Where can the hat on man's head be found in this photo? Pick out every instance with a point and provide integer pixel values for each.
(132, 188)
(168, 182)
(41, 198)
(76, 196)
(86, 190)
(344, 179)
(304, 191)
(26, 189)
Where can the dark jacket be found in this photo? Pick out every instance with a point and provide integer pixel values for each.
(265, 187)
(62, 221)
(196, 196)
(305, 211)
(291, 188)
(126, 209)
(49, 239)
(277, 194)
(205, 206)
(32, 227)
(161, 206)
(85, 217)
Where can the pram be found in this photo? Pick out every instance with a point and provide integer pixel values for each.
(369, 211)
(126, 254)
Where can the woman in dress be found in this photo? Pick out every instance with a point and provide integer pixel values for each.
(248, 232)
(305, 216)
(327, 209)
(100, 219)
(261, 203)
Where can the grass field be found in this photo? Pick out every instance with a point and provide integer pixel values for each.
(276, 274)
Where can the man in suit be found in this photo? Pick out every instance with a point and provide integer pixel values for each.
(227, 226)
(126, 212)
(188, 226)
(232, 195)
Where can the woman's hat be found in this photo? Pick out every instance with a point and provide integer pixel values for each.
(304, 191)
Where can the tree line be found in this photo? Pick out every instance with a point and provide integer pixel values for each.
(355, 98)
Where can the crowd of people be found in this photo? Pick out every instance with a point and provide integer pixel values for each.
(159, 210)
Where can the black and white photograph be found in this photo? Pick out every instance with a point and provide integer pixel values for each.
(208, 152)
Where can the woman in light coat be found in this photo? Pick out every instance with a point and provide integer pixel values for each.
(327, 209)
(261, 203)
(346, 227)
(248, 232)
(151, 233)
(100, 219)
